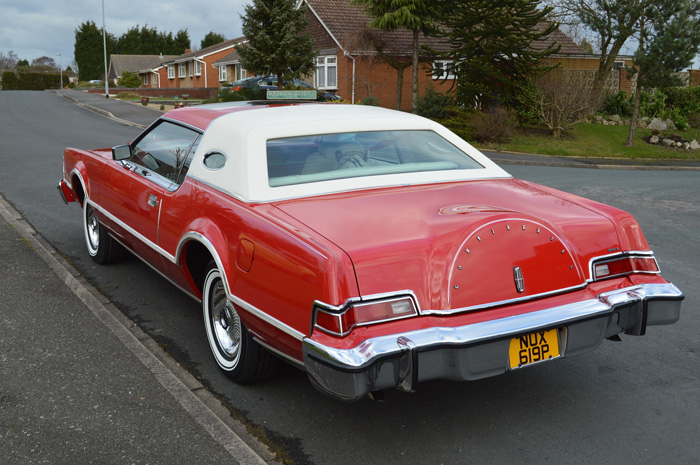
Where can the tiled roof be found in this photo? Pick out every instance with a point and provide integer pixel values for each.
(207, 50)
(348, 24)
(568, 46)
(228, 59)
(135, 63)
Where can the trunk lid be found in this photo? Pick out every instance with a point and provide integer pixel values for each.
(464, 244)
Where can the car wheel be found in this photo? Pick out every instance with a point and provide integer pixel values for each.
(101, 246)
(237, 354)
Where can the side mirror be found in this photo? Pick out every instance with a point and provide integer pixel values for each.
(121, 152)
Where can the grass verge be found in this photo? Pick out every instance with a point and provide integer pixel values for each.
(595, 141)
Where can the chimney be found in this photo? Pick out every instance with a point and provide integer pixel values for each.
(188, 50)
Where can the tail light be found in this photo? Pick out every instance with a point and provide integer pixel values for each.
(624, 265)
(340, 321)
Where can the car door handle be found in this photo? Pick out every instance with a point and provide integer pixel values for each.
(152, 200)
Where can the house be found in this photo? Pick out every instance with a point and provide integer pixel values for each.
(349, 62)
(230, 68)
(353, 59)
(132, 63)
(195, 69)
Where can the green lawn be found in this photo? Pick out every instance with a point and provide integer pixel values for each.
(595, 141)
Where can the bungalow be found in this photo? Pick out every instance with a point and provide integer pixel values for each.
(195, 69)
(133, 63)
(354, 59)
(230, 68)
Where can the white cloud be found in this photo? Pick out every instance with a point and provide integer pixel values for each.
(34, 28)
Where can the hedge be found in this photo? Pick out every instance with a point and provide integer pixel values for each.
(30, 81)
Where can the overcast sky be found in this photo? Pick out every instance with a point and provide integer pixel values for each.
(35, 28)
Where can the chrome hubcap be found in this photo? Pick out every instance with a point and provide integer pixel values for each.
(225, 323)
(93, 230)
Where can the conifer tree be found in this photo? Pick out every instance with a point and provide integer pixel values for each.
(275, 44)
(211, 38)
(88, 51)
(181, 42)
(494, 46)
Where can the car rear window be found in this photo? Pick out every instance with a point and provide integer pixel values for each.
(305, 159)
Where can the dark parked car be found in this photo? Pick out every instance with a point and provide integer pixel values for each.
(257, 84)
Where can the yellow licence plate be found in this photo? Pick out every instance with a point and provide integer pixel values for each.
(534, 347)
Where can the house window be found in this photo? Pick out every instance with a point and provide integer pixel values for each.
(145, 79)
(190, 68)
(182, 70)
(222, 73)
(171, 71)
(326, 75)
(240, 72)
(197, 68)
(443, 69)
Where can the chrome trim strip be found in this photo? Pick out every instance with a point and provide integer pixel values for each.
(381, 296)
(76, 172)
(133, 232)
(188, 293)
(501, 220)
(334, 310)
(615, 256)
(364, 354)
(297, 363)
(197, 237)
(505, 302)
(266, 318)
(60, 191)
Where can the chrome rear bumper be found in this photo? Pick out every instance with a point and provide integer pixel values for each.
(481, 350)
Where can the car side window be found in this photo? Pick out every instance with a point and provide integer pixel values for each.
(166, 150)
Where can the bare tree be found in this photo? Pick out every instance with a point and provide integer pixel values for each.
(44, 61)
(8, 61)
(610, 22)
(561, 99)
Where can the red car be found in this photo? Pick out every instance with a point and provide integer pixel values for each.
(372, 248)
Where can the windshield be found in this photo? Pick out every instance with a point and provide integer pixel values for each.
(299, 160)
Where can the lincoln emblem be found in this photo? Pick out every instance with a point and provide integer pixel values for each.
(519, 280)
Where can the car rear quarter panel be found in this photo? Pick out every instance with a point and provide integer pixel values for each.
(274, 270)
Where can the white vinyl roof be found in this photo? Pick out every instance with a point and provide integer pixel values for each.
(242, 137)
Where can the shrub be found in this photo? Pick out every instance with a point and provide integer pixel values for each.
(226, 95)
(618, 104)
(129, 80)
(10, 81)
(492, 126)
(434, 104)
(653, 105)
(458, 120)
(372, 101)
(562, 100)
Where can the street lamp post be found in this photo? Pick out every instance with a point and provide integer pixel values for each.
(104, 44)
(60, 67)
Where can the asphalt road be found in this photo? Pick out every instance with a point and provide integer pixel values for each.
(632, 402)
